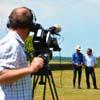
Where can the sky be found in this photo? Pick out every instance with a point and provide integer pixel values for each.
(79, 19)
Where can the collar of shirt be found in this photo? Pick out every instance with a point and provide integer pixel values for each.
(15, 35)
(89, 56)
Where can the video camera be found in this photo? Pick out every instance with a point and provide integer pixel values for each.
(44, 39)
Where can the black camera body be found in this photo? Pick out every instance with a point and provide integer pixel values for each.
(44, 38)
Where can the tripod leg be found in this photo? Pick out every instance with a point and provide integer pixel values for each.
(50, 87)
(54, 85)
(44, 93)
(35, 80)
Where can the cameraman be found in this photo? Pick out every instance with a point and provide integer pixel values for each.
(15, 80)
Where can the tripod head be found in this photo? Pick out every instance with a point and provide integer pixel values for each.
(45, 54)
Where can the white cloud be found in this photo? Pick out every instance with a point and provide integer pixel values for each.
(95, 1)
(4, 8)
(46, 9)
(49, 8)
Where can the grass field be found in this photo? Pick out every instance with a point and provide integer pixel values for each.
(63, 82)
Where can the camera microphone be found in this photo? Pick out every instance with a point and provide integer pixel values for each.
(55, 29)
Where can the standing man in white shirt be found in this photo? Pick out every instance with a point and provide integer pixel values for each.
(90, 64)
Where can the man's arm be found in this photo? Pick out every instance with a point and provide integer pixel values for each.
(11, 75)
(95, 62)
(73, 58)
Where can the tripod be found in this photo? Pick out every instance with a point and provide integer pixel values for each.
(47, 74)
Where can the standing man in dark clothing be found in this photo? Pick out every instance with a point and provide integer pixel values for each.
(90, 64)
(77, 61)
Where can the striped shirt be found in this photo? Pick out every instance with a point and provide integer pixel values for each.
(12, 56)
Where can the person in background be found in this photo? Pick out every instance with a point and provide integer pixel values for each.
(15, 73)
(90, 64)
(77, 62)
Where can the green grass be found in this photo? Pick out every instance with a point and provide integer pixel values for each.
(63, 82)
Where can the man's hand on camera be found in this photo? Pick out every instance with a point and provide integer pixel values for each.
(36, 64)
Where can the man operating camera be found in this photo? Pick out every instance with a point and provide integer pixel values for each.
(15, 80)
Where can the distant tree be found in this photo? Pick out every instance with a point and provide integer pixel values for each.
(29, 48)
(28, 44)
(98, 61)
